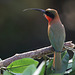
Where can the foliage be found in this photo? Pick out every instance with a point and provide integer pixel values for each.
(28, 66)
(19, 66)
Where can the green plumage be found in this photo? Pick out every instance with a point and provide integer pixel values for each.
(56, 35)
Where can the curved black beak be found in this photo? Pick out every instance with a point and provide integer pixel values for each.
(41, 10)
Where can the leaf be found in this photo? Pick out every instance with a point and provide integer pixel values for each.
(7, 73)
(40, 70)
(68, 72)
(73, 64)
(29, 70)
(50, 71)
(19, 66)
(65, 60)
(49, 68)
(69, 65)
(63, 54)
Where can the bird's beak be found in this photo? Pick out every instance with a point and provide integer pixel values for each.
(41, 10)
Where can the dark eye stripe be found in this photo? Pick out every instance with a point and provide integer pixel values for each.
(49, 14)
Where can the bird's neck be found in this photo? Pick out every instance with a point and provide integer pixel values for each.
(55, 20)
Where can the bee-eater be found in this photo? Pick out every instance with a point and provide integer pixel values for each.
(56, 34)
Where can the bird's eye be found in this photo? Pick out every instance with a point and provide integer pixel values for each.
(50, 14)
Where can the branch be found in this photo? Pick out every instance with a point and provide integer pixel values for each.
(34, 54)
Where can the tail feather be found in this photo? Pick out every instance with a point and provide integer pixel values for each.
(57, 61)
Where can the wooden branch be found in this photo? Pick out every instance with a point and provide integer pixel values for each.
(34, 54)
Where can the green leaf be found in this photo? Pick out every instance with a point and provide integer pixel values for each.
(29, 70)
(68, 72)
(41, 69)
(69, 65)
(73, 64)
(49, 64)
(7, 73)
(65, 60)
(63, 54)
(19, 66)
(49, 68)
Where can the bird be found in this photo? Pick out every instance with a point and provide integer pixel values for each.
(56, 34)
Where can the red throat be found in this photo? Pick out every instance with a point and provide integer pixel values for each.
(48, 18)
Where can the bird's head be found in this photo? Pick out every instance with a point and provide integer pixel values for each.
(50, 14)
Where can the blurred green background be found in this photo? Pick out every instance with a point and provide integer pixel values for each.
(23, 31)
